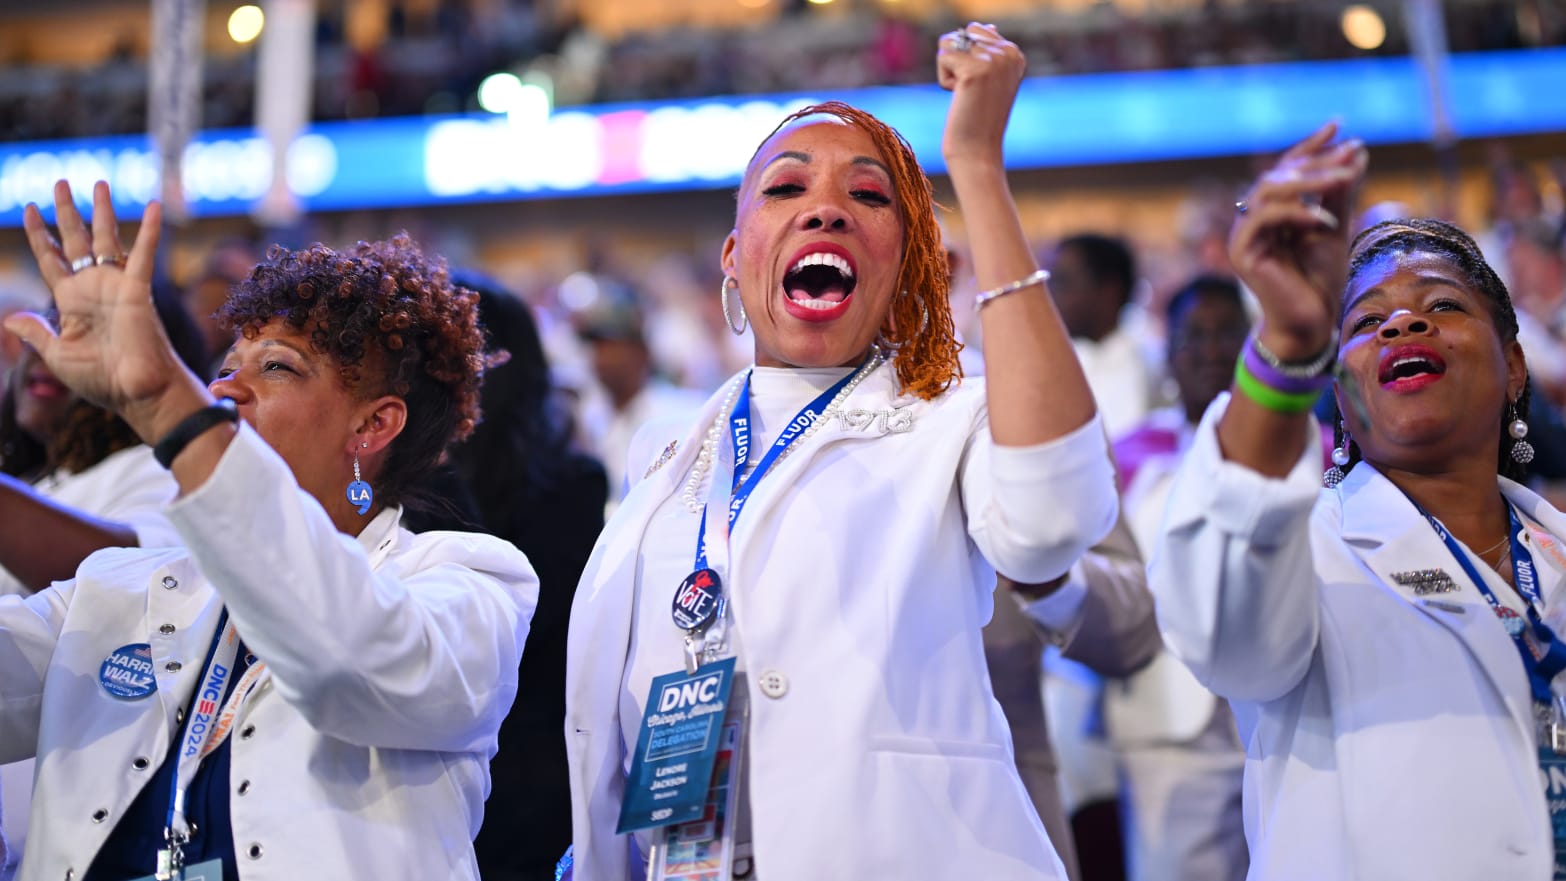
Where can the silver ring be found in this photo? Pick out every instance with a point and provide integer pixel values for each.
(1240, 207)
(117, 260)
(961, 42)
(81, 263)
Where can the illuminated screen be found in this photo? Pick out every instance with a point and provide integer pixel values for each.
(702, 144)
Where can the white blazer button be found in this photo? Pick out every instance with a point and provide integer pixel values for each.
(169, 583)
(248, 732)
(166, 629)
(99, 815)
(254, 852)
(173, 666)
(773, 684)
(70, 874)
(244, 786)
(141, 763)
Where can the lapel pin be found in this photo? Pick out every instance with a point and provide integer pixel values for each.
(1452, 608)
(663, 458)
(1426, 581)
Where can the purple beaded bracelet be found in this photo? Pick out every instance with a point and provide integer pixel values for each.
(1274, 378)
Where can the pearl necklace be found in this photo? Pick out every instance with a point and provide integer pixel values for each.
(709, 444)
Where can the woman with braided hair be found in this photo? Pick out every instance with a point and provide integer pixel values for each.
(870, 498)
(1390, 644)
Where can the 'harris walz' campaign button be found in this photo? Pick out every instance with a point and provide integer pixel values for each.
(127, 672)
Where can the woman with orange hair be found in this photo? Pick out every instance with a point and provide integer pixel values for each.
(819, 645)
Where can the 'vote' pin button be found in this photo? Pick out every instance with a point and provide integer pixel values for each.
(696, 602)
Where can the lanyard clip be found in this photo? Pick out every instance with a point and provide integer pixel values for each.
(695, 644)
(171, 859)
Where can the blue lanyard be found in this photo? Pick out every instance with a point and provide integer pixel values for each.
(205, 705)
(739, 431)
(1543, 667)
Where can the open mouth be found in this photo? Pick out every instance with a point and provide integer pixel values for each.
(44, 387)
(1409, 367)
(819, 282)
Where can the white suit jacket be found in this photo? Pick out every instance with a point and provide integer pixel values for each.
(857, 580)
(391, 660)
(1389, 735)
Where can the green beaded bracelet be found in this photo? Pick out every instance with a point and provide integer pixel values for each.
(1269, 397)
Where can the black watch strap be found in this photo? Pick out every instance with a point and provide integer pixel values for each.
(192, 427)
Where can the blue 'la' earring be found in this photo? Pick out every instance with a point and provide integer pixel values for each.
(359, 492)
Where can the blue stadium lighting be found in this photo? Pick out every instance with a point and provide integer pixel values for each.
(703, 144)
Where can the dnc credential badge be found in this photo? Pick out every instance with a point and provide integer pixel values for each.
(1552, 767)
(676, 747)
(127, 672)
(211, 870)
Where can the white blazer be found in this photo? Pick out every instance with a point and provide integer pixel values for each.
(1389, 735)
(362, 754)
(860, 580)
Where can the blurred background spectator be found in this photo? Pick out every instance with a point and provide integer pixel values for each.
(399, 57)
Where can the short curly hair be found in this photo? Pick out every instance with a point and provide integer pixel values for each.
(393, 322)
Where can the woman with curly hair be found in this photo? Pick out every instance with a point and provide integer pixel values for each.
(305, 690)
(870, 499)
(74, 479)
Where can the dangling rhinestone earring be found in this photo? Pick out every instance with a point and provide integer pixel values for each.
(1340, 458)
(1522, 451)
(723, 293)
(359, 492)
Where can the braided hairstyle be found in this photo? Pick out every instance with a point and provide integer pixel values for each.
(920, 328)
(1451, 243)
(392, 322)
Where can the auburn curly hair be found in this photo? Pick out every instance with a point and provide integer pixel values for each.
(393, 323)
(1443, 239)
(920, 327)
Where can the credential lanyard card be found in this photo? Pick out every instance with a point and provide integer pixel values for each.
(1552, 767)
(678, 744)
(703, 849)
(211, 870)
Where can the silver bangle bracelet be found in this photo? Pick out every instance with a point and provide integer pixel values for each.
(1028, 281)
(1315, 367)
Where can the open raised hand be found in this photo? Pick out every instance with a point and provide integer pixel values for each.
(1290, 242)
(109, 345)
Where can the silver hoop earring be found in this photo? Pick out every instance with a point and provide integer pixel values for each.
(723, 294)
(1522, 451)
(924, 322)
(924, 315)
(1340, 458)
